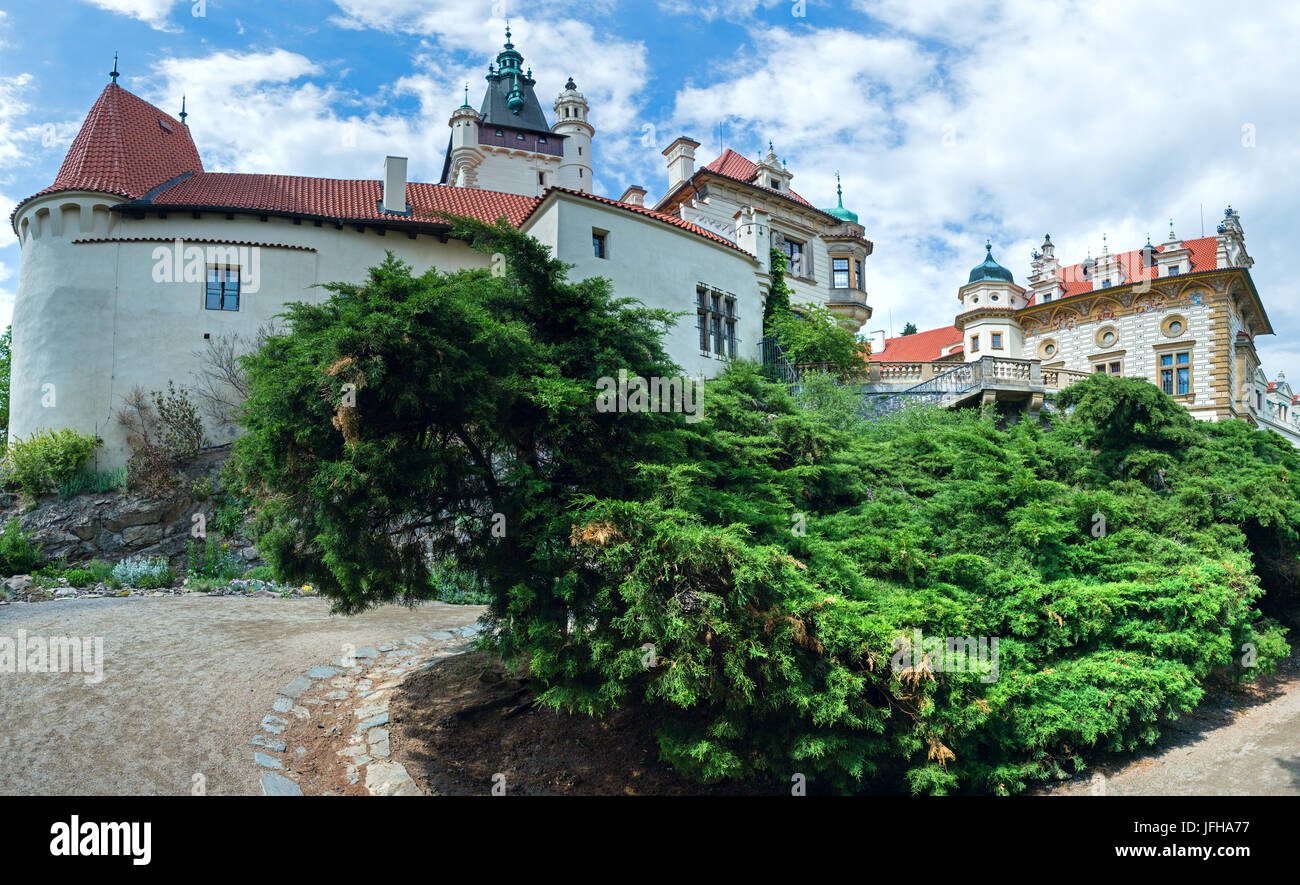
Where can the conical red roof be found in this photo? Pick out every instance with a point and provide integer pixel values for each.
(126, 147)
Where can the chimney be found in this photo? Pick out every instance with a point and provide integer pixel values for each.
(681, 162)
(633, 196)
(394, 197)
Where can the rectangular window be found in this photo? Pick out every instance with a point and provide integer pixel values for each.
(1174, 270)
(598, 244)
(1176, 373)
(1112, 368)
(794, 252)
(840, 273)
(715, 320)
(974, 344)
(996, 342)
(222, 288)
(541, 178)
(702, 318)
(858, 283)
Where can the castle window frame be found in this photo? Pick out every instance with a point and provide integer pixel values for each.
(974, 344)
(858, 282)
(1175, 370)
(794, 252)
(1108, 363)
(220, 291)
(995, 341)
(840, 274)
(715, 322)
(600, 243)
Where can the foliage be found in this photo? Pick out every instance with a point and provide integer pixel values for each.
(163, 430)
(399, 417)
(262, 573)
(202, 488)
(92, 482)
(180, 427)
(18, 555)
(909, 329)
(40, 463)
(770, 555)
(143, 573)
(214, 559)
(778, 298)
(457, 585)
(814, 336)
(101, 572)
(79, 577)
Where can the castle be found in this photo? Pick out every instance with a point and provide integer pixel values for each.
(136, 258)
(1184, 315)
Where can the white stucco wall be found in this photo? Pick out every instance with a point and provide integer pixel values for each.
(661, 266)
(90, 322)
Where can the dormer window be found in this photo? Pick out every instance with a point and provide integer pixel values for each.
(501, 133)
(519, 136)
(542, 140)
(1175, 270)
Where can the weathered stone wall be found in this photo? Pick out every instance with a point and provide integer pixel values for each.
(115, 525)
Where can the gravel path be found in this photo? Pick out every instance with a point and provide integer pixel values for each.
(186, 682)
(1226, 748)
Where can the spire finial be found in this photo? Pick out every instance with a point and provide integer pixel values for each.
(113, 73)
(509, 45)
(1171, 231)
(184, 113)
(839, 188)
(466, 104)
(988, 248)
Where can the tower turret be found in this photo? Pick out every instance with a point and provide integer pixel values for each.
(989, 302)
(571, 124)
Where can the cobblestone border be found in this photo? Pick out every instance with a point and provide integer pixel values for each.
(368, 680)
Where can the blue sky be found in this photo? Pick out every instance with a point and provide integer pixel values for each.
(951, 122)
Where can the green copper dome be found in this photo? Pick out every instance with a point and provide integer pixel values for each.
(990, 269)
(840, 212)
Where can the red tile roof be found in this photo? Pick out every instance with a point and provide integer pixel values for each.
(733, 165)
(641, 210)
(1203, 252)
(919, 347)
(126, 147)
(338, 199)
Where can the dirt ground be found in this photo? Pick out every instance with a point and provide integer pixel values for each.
(465, 720)
(186, 682)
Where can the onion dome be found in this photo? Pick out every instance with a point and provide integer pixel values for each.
(990, 269)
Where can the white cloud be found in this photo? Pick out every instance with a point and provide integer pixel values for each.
(152, 12)
(953, 122)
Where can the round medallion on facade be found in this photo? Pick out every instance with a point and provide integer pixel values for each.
(1174, 325)
(1048, 349)
(1107, 336)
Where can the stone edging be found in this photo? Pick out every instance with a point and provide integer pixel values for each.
(354, 680)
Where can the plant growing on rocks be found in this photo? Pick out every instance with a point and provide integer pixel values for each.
(40, 463)
(18, 555)
(143, 573)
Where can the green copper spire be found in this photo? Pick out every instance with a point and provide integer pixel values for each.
(990, 269)
(839, 211)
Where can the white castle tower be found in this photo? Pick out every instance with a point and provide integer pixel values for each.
(989, 302)
(571, 124)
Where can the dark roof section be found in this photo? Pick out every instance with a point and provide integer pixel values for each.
(511, 101)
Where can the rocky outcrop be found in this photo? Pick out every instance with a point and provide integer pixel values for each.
(115, 525)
